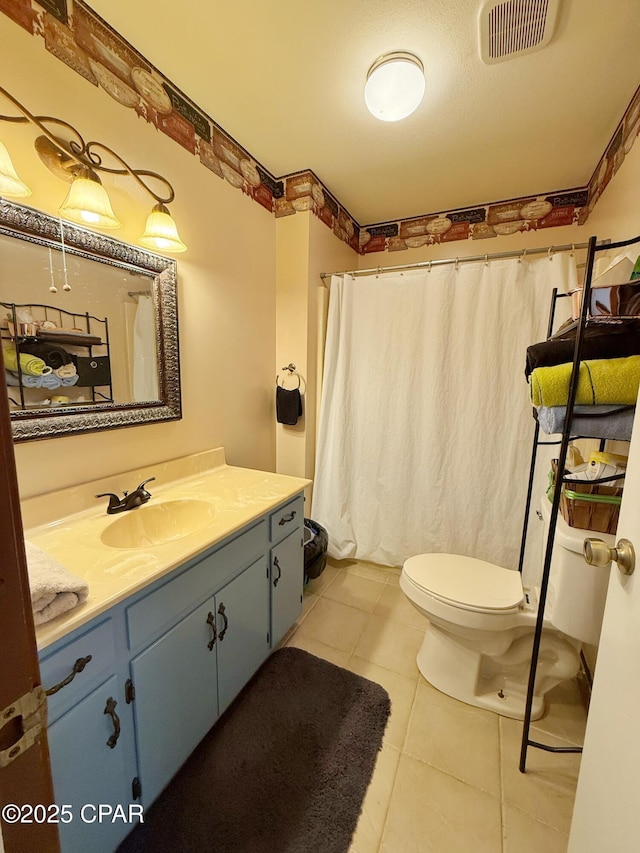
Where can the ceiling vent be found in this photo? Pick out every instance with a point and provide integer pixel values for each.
(514, 27)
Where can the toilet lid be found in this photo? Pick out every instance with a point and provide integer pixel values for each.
(466, 582)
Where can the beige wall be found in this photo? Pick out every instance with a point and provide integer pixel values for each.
(326, 254)
(305, 248)
(226, 281)
(617, 213)
(248, 286)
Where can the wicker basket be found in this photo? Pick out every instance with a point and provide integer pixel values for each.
(589, 507)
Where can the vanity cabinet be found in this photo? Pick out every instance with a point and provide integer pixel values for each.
(176, 699)
(285, 557)
(242, 636)
(173, 657)
(188, 677)
(286, 587)
(93, 763)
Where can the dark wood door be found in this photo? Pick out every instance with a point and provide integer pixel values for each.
(27, 779)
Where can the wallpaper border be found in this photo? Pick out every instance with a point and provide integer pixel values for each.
(79, 37)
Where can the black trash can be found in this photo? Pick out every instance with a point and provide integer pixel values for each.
(316, 542)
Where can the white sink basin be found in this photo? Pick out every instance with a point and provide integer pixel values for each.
(157, 524)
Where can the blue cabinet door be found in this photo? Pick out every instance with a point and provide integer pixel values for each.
(242, 612)
(287, 579)
(87, 771)
(176, 698)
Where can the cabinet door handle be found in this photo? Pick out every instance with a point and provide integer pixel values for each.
(276, 565)
(226, 622)
(211, 620)
(78, 666)
(111, 710)
(287, 518)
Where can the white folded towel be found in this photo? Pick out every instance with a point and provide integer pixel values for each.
(54, 590)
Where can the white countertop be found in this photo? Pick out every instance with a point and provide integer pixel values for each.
(237, 496)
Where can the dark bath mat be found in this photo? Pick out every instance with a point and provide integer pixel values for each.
(284, 770)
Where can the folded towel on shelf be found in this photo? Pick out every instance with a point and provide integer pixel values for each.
(11, 378)
(614, 422)
(48, 380)
(65, 371)
(53, 355)
(602, 381)
(54, 589)
(288, 405)
(617, 339)
(29, 364)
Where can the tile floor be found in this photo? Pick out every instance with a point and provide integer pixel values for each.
(447, 778)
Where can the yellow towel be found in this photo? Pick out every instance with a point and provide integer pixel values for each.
(602, 381)
(29, 364)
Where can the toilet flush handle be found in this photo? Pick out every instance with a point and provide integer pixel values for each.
(598, 553)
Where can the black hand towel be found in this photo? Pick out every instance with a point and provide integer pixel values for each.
(288, 405)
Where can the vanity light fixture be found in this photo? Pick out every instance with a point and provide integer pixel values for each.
(87, 202)
(10, 183)
(395, 85)
(161, 231)
(79, 162)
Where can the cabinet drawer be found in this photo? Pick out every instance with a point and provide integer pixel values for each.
(148, 616)
(97, 643)
(285, 519)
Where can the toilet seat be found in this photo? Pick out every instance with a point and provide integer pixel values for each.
(465, 582)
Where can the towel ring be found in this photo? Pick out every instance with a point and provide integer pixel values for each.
(292, 370)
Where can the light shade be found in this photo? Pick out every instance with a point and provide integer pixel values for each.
(10, 183)
(395, 86)
(161, 232)
(87, 202)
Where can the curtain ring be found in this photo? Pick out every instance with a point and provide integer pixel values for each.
(573, 248)
(549, 255)
(456, 264)
(429, 270)
(486, 260)
(522, 256)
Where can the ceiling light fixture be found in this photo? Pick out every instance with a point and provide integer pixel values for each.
(395, 85)
(78, 162)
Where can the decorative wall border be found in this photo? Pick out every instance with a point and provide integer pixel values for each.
(80, 38)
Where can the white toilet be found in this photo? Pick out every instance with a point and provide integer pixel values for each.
(477, 647)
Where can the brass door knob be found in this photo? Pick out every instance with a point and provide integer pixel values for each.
(598, 553)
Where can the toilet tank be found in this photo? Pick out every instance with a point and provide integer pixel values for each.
(577, 592)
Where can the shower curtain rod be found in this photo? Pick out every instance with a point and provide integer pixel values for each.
(488, 257)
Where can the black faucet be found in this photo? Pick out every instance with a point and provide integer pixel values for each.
(128, 501)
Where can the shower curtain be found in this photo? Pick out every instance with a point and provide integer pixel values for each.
(426, 426)
(145, 363)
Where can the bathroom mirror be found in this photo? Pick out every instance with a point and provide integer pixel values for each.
(89, 328)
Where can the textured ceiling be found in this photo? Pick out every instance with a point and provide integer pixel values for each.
(285, 78)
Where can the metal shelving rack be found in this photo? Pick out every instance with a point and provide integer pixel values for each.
(592, 249)
(74, 318)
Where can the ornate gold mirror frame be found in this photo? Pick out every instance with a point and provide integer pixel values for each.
(33, 226)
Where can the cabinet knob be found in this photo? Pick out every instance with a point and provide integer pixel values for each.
(111, 711)
(226, 622)
(78, 666)
(211, 621)
(276, 565)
